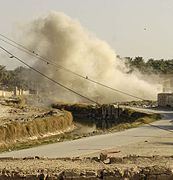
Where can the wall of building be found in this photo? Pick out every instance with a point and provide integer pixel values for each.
(165, 100)
(4, 93)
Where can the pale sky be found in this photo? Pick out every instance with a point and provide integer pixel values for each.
(131, 27)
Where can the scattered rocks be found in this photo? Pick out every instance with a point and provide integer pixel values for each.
(103, 156)
(80, 169)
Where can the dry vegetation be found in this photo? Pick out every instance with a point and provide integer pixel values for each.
(21, 125)
(36, 128)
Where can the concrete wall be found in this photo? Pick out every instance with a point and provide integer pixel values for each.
(4, 93)
(165, 100)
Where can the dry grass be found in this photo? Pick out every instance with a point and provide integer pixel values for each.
(147, 119)
(22, 131)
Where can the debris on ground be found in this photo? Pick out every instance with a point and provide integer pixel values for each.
(131, 167)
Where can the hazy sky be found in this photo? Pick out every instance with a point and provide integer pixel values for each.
(131, 27)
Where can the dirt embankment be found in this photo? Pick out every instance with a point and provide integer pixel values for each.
(105, 116)
(126, 168)
(21, 124)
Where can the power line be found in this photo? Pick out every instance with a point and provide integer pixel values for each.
(26, 51)
(42, 74)
(3, 67)
(68, 70)
(48, 61)
(14, 42)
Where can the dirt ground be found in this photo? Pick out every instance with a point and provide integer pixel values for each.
(131, 167)
(31, 164)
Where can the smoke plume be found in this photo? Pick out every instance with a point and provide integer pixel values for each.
(65, 42)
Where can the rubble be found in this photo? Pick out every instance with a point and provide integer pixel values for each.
(80, 169)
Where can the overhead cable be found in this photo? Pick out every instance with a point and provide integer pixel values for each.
(47, 77)
(55, 65)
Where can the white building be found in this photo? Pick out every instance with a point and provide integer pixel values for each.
(4, 93)
(16, 92)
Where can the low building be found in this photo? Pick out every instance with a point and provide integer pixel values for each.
(4, 93)
(165, 99)
(20, 92)
(16, 92)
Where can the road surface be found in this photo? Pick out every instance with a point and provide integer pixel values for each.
(100, 142)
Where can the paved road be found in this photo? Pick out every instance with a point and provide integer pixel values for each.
(96, 143)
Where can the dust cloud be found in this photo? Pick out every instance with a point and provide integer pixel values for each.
(65, 42)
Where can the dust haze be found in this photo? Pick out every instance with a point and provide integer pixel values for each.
(64, 41)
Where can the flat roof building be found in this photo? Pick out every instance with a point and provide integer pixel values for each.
(165, 99)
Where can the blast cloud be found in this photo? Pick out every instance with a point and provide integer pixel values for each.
(67, 43)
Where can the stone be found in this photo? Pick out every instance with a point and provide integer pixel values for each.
(103, 156)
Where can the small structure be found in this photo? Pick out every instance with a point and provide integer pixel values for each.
(20, 92)
(165, 99)
(5, 92)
